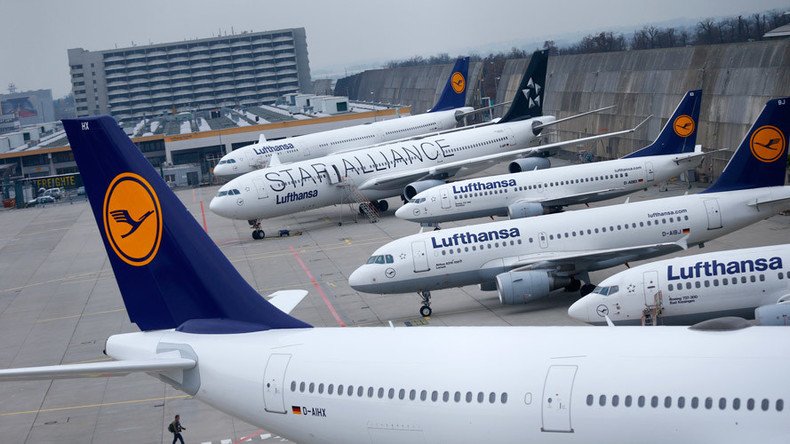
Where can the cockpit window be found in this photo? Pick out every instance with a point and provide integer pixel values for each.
(222, 193)
(380, 259)
(419, 200)
(234, 191)
(231, 160)
(606, 291)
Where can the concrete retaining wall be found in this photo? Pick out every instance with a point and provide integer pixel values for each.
(737, 80)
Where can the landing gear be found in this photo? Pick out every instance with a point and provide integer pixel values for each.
(586, 289)
(575, 285)
(425, 310)
(257, 232)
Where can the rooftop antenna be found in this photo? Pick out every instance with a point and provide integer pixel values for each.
(11, 88)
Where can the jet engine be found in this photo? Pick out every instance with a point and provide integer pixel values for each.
(415, 188)
(522, 208)
(774, 314)
(521, 287)
(529, 164)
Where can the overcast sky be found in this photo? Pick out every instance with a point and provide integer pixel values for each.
(37, 33)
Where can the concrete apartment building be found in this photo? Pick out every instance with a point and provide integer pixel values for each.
(227, 71)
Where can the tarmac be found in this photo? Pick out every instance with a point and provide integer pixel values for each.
(59, 302)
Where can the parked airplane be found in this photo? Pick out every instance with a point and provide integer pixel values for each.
(445, 115)
(526, 259)
(685, 290)
(533, 193)
(207, 333)
(378, 172)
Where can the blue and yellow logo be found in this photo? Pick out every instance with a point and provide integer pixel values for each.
(132, 219)
(683, 125)
(458, 82)
(767, 143)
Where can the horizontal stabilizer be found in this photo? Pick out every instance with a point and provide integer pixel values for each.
(287, 300)
(575, 116)
(96, 369)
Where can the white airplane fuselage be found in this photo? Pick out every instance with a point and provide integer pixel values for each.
(309, 146)
(493, 195)
(692, 288)
(332, 179)
(456, 256)
(518, 384)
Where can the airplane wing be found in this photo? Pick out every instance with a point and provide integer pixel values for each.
(96, 369)
(573, 262)
(287, 300)
(450, 169)
(572, 199)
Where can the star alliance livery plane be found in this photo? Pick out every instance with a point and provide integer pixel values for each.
(400, 168)
(526, 259)
(533, 193)
(207, 333)
(445, 115)
(689, 289)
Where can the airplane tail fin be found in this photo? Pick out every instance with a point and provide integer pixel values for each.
(528, 102)
(761, 158)
(454, 92)
(679, 134)
(170, 273)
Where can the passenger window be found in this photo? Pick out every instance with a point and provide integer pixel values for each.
(446, 396)
(321, 388)
(391, 393)
(350, 390)
(736, 403)
(469, 396)
(670, 287)
(628, 400)
(668, 402)
(504, 398)
(640, 401)
(457, 397)
(435, 395)
(722, 403)
(481, 397)
(360, 391)
(750, 404)
(492, 398)
(381, 392)
(708, 403)
(654, 401)
(765, 404)
(401, 394)
(293, 386)
(694, 402)
(615, 400)
(681, 402)
(780, 405)
(301, 387)
(602, 400)
(412, 394)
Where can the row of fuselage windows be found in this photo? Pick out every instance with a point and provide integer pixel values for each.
(541, 185)
(411, 128)
(681, 402)
(567, 234)
(401, 394)
(338, 142)
(715, 282)
(476, 145)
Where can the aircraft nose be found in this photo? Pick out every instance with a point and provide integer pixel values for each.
(356, 279)
(218, 206)
(579, 310)
(221, 170)
(409, 211)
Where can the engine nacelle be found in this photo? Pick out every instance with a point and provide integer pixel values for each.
(521, 208)
(774, 314)
(415, 188)
(529, 164)
(521, 287)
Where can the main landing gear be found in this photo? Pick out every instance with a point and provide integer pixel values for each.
(425, 310)
(257, 232)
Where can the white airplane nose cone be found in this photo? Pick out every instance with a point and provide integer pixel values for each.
(403, 212)
(579, 311)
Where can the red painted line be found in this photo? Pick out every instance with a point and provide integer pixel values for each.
(250, 436)
(203, 213)
(317, 287)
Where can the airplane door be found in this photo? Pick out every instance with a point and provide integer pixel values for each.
(273, 383)
(260, 187)
(333, 175)
(420, 256)
(544, 241)
(650, 286)
(714, 214)
(445, 199)
(557, 393)
(649, 173)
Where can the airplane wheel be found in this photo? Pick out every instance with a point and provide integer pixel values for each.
(258, 234)
(361, 211)
(575, 285)
(425, 311)
(382, 206)
(586, 289)
(255, 234)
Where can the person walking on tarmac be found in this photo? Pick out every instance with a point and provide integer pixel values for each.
(175, 428)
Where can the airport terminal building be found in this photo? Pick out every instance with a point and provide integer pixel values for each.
(227, 71)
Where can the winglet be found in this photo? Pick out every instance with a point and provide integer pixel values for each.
(170, 273)
(454, 92)
(680, 132)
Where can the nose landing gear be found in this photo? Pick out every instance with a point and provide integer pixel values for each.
(425, 310)
(257, 232)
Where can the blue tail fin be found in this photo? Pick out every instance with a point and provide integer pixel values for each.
(761, 159)
(454, 92)
(169, 271)
(528, 101)
(679, 134)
